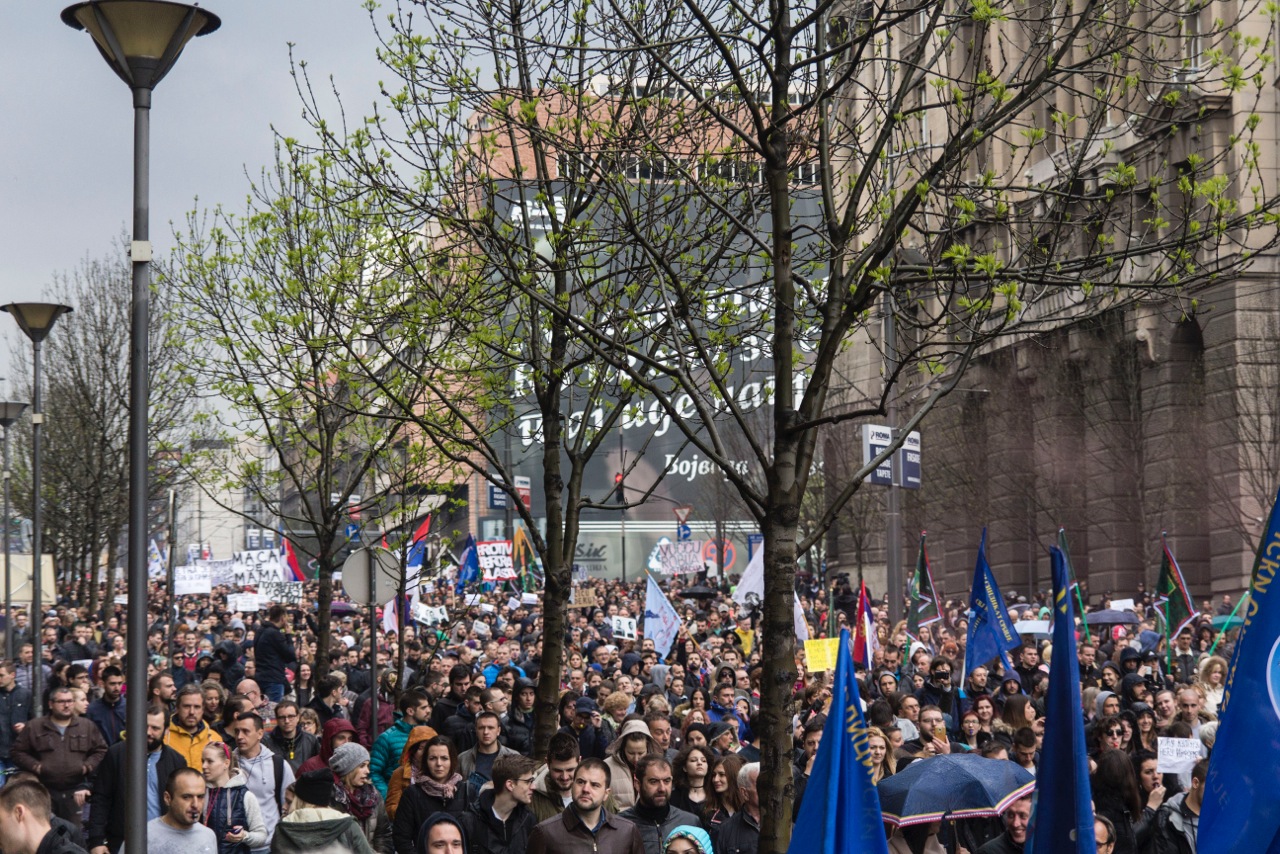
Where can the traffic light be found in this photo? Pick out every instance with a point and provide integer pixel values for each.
(619, 489)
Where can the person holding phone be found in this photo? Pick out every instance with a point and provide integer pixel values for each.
(231, 811)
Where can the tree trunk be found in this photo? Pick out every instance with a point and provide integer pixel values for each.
(773, 721)
(324, 615)
(109, 593)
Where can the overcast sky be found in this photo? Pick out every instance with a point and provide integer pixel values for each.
(67, 137)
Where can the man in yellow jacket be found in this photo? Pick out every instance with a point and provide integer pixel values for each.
(188, 733)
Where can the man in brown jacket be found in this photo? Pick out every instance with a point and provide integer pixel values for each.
(63, 751)
(585, 826)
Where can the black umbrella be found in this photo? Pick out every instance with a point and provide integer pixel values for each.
(1111, 617)
(700, 591)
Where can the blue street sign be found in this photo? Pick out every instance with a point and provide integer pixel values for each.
(683, 532)
(497, 498)
(754, 541)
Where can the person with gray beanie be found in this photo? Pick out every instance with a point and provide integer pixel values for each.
(355, 795)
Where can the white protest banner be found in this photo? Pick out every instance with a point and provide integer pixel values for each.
(623, 627)
(191, 580)
(513, 603)
(1124, 605)
(121, 600)
(495, 560)
(245, 603)
(681, 558)
(1032, 627)
(529, 599)
(222, 573)
(430, 615)
(281, 592)
(473, 599)
(1177, 755)
(252, 568)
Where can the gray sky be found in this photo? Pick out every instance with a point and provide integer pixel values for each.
(67, 140)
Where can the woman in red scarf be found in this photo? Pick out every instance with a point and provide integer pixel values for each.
(355, 795)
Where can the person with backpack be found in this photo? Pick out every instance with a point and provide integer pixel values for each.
(231, 811)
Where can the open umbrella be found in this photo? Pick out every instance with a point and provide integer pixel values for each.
(701, 591)
(1225, 621)
(956, 786)
(1111, 618)
(339, 607)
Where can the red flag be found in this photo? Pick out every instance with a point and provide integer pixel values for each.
(423, 529)
(862, 632)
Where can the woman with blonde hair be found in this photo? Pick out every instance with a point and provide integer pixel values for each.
(231, 811)
(1212, 681)
(883, 762)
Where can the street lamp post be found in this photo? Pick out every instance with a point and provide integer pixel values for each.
(10, 412)
(36, 319)
(140, 40)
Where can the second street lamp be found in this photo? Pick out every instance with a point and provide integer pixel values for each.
(140, 40)
(10, 412)
(36, 319)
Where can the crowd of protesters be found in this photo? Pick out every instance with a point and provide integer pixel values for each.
(250, 751)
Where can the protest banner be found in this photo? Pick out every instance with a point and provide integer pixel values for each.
(623, 627)
(495, 560)
(281, 592)
(252, 568)
(821, 655)
(1177, 755)
(582, 597)
(430, 615)
(191, 581)
(246, 603)
(681, 558)
(222, 573)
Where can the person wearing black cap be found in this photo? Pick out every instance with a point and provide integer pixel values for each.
(593, 740)
(313, 824)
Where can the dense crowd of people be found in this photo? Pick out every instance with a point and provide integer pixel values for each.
(250, 751)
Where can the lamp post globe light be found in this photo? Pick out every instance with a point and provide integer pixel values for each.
(140, 40)
(36, 319)
(10, 412)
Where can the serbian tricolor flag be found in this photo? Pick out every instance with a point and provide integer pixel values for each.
(292, 570)
(863, 631)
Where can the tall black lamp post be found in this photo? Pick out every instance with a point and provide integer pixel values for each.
(36, 320)
(140, 40)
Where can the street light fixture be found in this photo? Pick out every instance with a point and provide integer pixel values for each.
(10, 412)
(36, 319)
(140, 40)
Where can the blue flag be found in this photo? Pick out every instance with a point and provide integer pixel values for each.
(840, 813)
(468, 565)
(991, 631)
(1241, 808)
(1063, 809)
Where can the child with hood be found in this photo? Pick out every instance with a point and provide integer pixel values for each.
(336, 732)
(687, 839)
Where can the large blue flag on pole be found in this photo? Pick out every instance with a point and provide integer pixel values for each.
(840, 813)
(1241, 807)
(468, 565)
(991, 632)
(1062, 818)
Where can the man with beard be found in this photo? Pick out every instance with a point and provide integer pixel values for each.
(108, 711)
(178, 830)
(585, 825)
(105, 831)
(653, 814)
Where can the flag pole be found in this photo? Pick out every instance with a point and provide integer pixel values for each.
(1223, 633)
(1075, 582)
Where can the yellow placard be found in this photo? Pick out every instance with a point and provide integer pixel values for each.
(821, 655)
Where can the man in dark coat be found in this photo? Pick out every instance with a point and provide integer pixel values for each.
(104, 833)
(1014, 837)
(500, 820)
(653, 814)
(272, 653)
